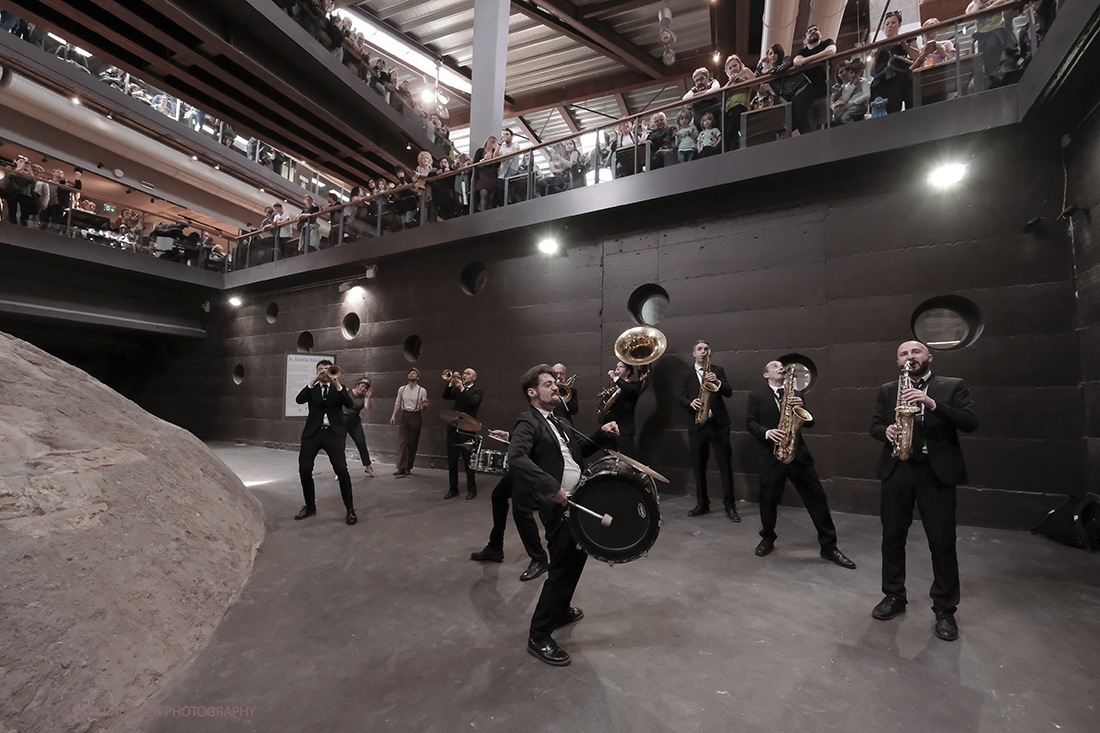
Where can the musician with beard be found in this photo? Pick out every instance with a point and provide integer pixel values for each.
(926, 479)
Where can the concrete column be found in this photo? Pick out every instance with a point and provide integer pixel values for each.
(490, 57)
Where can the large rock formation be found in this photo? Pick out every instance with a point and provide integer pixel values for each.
(122, 541)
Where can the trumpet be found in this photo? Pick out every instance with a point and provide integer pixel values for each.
(450, 376)
(334, 372)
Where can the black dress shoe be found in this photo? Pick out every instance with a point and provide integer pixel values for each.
(888, 608)
(835, 555)
(946, 628)
(451, 493)
(307, 511)
(733, 515)
(548, 651)
(765, 547)
(471, 495)
(534, 570)
(352, 519)
(572, 616)
(699, 510)
(489, 554)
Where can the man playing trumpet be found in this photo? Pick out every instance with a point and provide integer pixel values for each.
(460, 388)
(324, 431)
(765, 410)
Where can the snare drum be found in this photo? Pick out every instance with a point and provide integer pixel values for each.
(630, 497)
(490, 461)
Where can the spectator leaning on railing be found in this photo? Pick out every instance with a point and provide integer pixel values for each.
(703, 85)
(850, 102)
(814, 49)
(795, 88)
(737, 103)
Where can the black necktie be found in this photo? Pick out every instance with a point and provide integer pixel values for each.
(324, 392)
(779, 394)
(557, 426)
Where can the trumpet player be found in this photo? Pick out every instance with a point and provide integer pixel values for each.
(709, 428)
(462, 389)
(763, 419)
(621, 410)
(927, 479)
(568, 404)
(324, 431)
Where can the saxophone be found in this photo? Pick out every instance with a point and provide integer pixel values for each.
(791, 418)
(706, 389)
(906, 411)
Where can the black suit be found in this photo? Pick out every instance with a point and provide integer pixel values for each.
(467, 401)
(622, 413)
(762, 416)
(566, 411)
(926, 479)
(316, 437)
(714, 432)
(537, 465)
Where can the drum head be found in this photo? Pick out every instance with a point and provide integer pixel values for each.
(636, 518)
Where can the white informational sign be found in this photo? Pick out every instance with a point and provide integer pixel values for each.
(300, 371)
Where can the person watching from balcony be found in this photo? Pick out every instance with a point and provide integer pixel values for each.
(53, 214)
(892, 80)
(710, 138)
(338, 217)
(485, 176)
(687, 136)
(992, 35)
(850, 104)
(794, 88)
(737, 102)
(662, 140)
(309, 231)
(703, 85)
(932, 52)
(815, 49)
(283, 231)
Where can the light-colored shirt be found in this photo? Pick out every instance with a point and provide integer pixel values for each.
(709, 137)
(571, 476)
(409, 399)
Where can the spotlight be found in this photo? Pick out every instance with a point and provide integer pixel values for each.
(194, 157)
(548, 246)
(408, 146)
(947, 175)
(217, 167)
(152, 200)
(110, 116)
(76, 100)
(427, 96)
(1074, 210)
(1033, 224)
(235, 301)
(717, 56)
(129, 190)
(261, 190)
(99, 165)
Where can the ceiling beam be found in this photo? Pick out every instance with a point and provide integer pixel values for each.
(620, 100)
(531, 136)
(611, 7)
(565, 16)
(567, 116)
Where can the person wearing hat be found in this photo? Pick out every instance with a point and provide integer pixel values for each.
(411, 400)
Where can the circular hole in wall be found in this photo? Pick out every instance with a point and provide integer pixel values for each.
(947, 322)
(350, 326)
(272, 312)
(474, 277)
(413, 345)
(305, 342)
(805, 371)
(648, 304)
(238, 374)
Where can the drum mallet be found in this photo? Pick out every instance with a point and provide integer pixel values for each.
(605, 519)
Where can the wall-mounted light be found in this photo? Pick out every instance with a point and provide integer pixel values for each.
(548, 246)
(235, 301)
(1033, 224)
(1073, 211)
(947, 174)
(76, 100)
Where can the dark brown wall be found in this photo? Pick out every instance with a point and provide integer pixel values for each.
(830, 264)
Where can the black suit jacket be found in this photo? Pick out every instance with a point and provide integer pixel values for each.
(467, 401)
(622, 410)
(332, 406)
(689, 390)
(534, 455)
(763, 415)
(566, 411)
(954, 411)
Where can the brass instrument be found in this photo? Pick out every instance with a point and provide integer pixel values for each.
(565, 389)
(449, 376)
(638, 347)
(706, 389)
(791, 418)
(906, 411)
(334, 372)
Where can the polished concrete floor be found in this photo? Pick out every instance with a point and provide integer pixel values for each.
(389, 626)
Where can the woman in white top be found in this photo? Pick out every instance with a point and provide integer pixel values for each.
(411, 400)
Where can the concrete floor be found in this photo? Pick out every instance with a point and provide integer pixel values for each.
(389, 626)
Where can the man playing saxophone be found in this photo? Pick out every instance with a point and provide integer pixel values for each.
(708, 428)
(927, 479)
(783, 455)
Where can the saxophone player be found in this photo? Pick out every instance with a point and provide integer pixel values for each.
(712, 431)
(927, 478)
(763, 420)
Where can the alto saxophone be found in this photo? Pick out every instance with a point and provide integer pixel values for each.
(791, 418)
(906, 411)
(706, 389)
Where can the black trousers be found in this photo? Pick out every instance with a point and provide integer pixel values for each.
(913, 482)
(701, 441)
(324, 440)
(353, 425)
(773, 479)
(524, 515)
(566, 564)
(454, 453)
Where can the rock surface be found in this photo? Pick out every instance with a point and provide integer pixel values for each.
(122, 541)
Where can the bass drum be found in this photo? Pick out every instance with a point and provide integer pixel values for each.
(629, 496)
